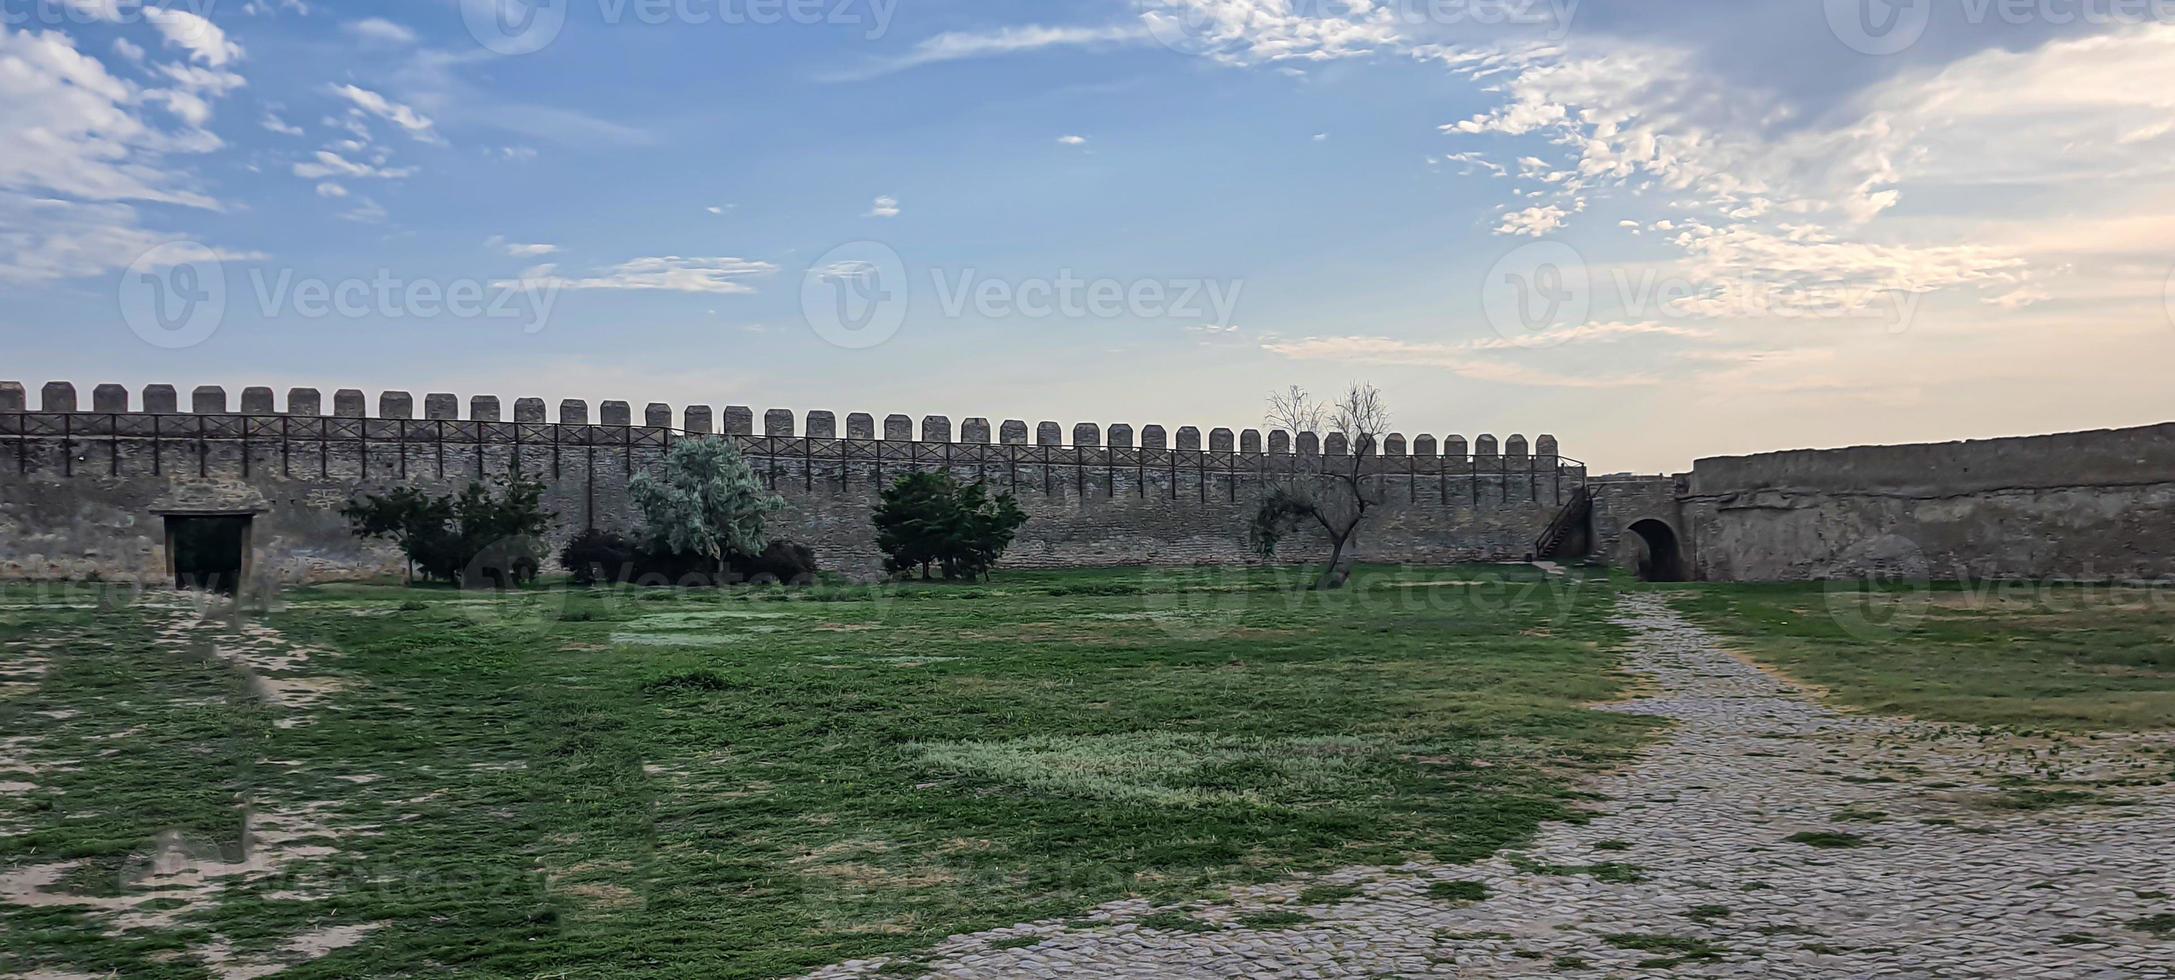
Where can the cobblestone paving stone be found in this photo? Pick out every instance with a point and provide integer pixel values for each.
(1944, 878)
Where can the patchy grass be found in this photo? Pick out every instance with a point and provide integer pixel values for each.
(1707, 914)
(1327, 894)
(1827, 839)
(1677, 950)
(1169, 921)
(757, 782)
(2047, 797)
(1458, 891)
(1274, 919)
(2161, 925)
(2078, 658)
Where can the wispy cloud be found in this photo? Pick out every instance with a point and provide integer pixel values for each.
(329, 164)
(1460, 359)
(520, 249)
(963, 45)
(379, 30)
(885, 207)
(668, 273)
(415, 123)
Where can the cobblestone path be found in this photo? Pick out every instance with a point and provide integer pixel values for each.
(1765, 835)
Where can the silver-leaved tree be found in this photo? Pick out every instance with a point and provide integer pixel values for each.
(706, 503)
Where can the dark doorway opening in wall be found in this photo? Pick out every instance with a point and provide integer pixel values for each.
(208, 552)
(1661, 559)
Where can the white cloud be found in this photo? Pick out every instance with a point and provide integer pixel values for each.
(367, 211)
(1458, 359)
(1588, 333)
(127, 50)
(1240, 32)
(1321, 137)
(79, 141)
(1534, 221)
(73, 130)
(519, 249)
(962, 45)
(330, 189)
(203, 39)
(1073, 140)
(330, 164)
(44, 238)
(208, 81)
(379, 30)
(885, 207)
(274, 123)
(415, 123)
(720, 208)
(105, 10)
(669, 273)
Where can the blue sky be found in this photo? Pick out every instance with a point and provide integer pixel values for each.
(1771, 231)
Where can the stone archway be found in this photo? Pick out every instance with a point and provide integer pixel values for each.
(1660, 555)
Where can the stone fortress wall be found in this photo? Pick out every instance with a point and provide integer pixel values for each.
(2088, 506)
(90, 486)
(2076, 506)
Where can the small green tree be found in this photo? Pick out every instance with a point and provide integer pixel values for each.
(931, 519)
(987, 526)
(912, 517)
(707, 503)
(413, 520)
(475, 535)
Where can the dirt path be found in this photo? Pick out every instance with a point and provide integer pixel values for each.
(1919, 850)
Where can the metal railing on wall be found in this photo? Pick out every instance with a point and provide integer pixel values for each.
(186, 440)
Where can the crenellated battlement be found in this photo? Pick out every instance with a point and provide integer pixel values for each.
(84, 489)
(484, 412)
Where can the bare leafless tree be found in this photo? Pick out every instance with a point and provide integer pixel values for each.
(1334, 493)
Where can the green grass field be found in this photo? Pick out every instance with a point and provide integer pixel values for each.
(757, 783)
(2058, 657)
(375, 780)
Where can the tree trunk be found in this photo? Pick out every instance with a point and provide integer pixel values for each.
(1330, 579)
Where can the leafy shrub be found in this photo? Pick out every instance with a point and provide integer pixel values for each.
(786, 562)
(595, 556)
(477, 536)
(931, 519)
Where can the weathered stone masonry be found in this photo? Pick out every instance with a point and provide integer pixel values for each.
(2087, 506)
(84, 489)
